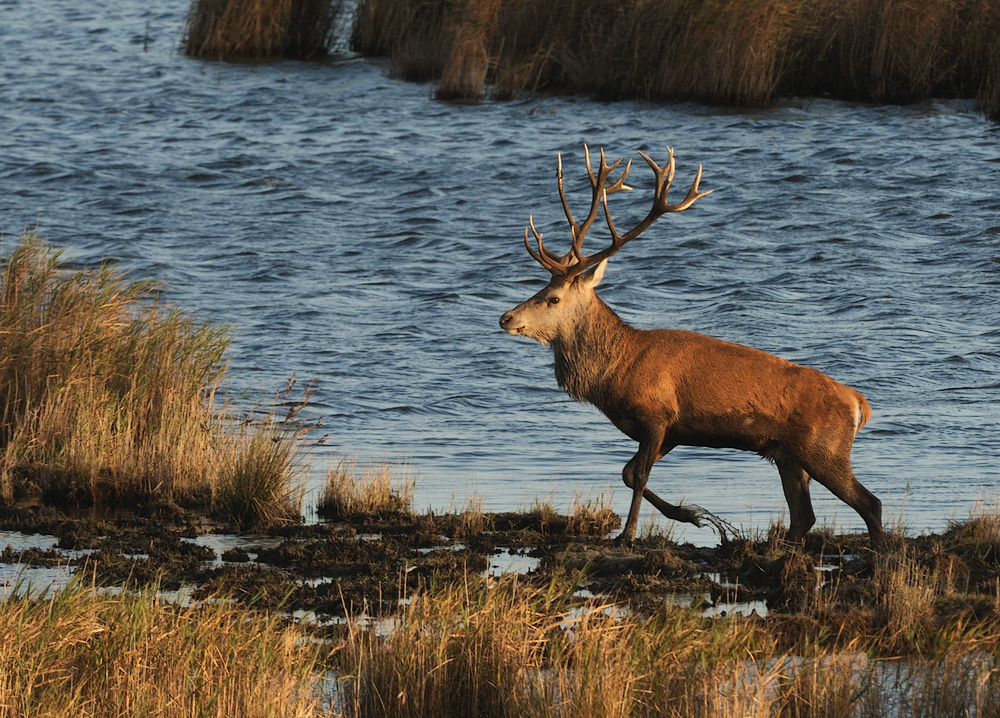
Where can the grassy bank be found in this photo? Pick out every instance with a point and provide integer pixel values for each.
(735, 52)
(107, 396)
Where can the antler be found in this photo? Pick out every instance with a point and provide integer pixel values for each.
(572, 264)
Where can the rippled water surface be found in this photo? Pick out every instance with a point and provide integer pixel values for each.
(356, 231)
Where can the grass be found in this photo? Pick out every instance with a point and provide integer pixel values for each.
(108, 397)
(735, 52)
(258, 29)
(500, 648)
(83, 654)
(374, 492)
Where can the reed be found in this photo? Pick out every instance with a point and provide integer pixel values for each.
(107, 396)
(260, 28)
(506, 647)
(373, 492)
(262, 467)
(79, 653)
(740, 52)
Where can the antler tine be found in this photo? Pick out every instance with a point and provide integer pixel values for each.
(664, 176)
(598, 184)
(543, 256)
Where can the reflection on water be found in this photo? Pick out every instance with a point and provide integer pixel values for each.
(355, 231)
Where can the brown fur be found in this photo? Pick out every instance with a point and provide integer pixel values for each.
(667, 388)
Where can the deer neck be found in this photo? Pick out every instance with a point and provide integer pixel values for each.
(589, 350)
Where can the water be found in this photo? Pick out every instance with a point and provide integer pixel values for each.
(357, 232)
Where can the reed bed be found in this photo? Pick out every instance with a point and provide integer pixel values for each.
(109, 397)
(502, 648)
(82, 654)
(230, 29)
(739, 52)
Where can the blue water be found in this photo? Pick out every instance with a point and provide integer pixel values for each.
(355, 231)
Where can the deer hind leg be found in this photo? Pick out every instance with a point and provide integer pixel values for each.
(835, 473)
(635, 475)
(795, 482)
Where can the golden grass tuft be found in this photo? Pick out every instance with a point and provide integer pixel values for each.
(375, 492)
(260, 28)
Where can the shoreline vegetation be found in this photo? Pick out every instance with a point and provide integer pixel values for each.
(744, 53)
(110, 397)
(720, 52)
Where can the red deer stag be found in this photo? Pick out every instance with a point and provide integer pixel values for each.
(666, 387)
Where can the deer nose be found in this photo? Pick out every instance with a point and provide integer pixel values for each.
(505, 320)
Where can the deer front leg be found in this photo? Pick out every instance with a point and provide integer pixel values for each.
(635, 475)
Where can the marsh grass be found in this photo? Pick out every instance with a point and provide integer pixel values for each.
(508, 647)
(741, 52)
(80, 653)
(374, 491)
(260, 28)
(262, 467)
(107, 396)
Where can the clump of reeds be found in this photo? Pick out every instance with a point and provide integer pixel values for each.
(105, 394)
(732, 52)
(81, 653)
(374, 491)
(260, 28)
(262, 463)
(464, 75)
(592, 517)
(109, 397)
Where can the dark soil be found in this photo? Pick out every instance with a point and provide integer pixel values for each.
(369, 564)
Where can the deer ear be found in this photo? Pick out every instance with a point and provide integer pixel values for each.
(592, 278)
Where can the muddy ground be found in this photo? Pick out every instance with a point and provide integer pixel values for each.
(369, 563)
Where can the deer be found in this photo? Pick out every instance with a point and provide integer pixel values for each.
(665, 388)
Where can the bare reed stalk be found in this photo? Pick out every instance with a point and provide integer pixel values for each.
(82, 654)
(261, 467)
(260, 28)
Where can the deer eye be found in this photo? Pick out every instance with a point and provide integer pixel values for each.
(553, 300)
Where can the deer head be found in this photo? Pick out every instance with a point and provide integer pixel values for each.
(570, 293)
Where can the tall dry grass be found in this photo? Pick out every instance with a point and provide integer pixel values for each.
(107, 396)
(502, 648)
(742, 52)
(373, 491)
(260, 28)
(80, 654)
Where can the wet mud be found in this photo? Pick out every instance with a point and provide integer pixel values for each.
(368, 565)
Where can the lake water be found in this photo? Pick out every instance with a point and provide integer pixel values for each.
(355, 231)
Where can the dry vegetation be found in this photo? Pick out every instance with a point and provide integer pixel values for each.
(80, 654)
(109, 397)
(730, 51)
(260, 28)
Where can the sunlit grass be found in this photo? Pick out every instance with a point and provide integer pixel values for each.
(375, 491)
(109, 397)
(84, 654)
